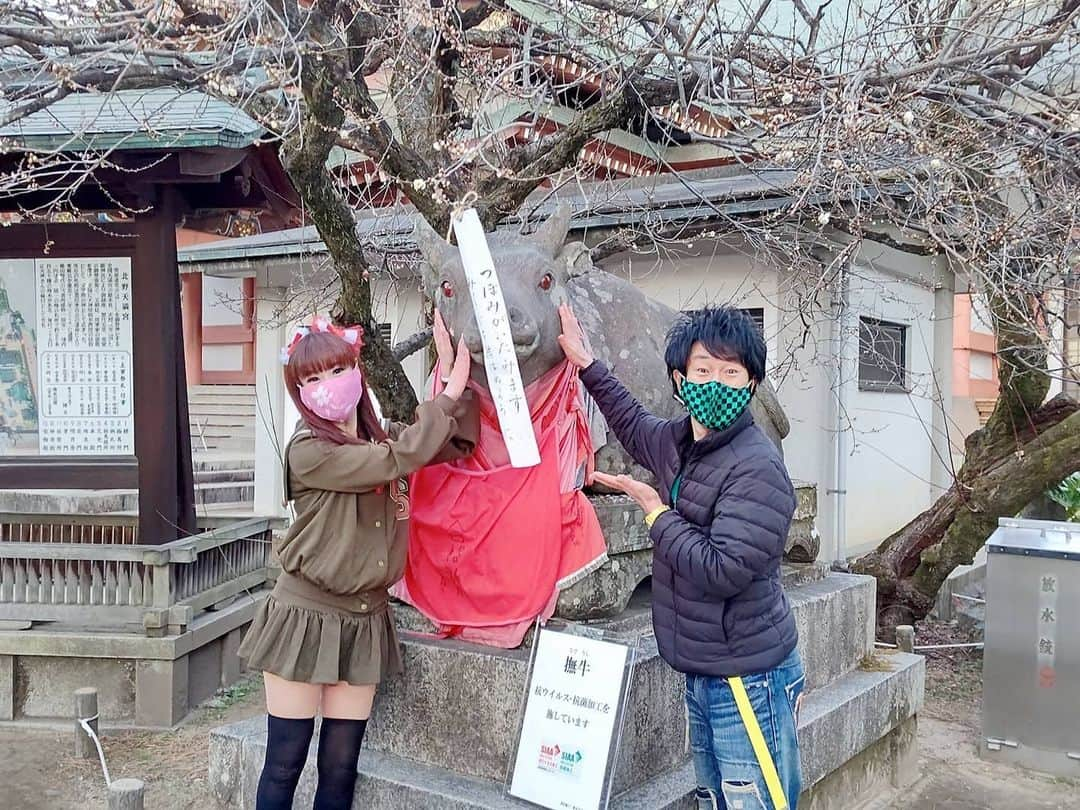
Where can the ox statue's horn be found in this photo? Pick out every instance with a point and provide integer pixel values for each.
(551, 235)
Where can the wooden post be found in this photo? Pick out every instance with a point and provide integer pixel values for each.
(191, 308)
(247, 313)
(126, 794)
(162, 439)
(905, 638)
(86, 708)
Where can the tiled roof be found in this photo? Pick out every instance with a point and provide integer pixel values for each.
(133, 119)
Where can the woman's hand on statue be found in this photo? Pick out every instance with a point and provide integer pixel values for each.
(444, 344)
(572, 340)
(459, 373)
(645, 496)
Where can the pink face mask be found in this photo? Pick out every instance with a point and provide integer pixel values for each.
(335, 398)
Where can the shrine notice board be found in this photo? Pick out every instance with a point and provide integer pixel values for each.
(66, 357)
(572, 718)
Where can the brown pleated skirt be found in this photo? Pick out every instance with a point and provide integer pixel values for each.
(305, 634)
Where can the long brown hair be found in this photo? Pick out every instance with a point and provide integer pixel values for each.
(317, 352)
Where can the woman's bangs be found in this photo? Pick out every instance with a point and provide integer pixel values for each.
(319, 352)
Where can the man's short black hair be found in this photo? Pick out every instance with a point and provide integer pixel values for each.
(727, 332)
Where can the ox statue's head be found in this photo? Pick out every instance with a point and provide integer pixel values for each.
(533, 271)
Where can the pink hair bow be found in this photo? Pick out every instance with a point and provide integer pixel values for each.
(353, 335)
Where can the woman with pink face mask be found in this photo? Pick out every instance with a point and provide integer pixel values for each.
(324, 638)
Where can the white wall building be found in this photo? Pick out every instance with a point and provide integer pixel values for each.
(861, 380)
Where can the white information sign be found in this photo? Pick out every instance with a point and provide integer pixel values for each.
(500, 360)
(84, 357)
(570, 721)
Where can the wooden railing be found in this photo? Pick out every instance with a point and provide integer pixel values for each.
(123, 585)
(33, 527)
(43, 527)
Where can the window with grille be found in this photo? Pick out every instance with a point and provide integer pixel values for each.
(384, 333)
(882, 355)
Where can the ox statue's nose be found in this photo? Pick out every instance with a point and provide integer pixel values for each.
(525, 330)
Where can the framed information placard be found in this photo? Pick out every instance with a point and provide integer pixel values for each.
(572, 717)
(66, 361)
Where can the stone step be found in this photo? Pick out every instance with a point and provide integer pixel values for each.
(223, 434)
(227, 509)
(223, 445)
(227, 415)
(216, 393)
(212, 393)
(838, 727)
(224, 440)
(222, 425)
(835, 617)
(225, 476)
(229, 492)
(213, 461)
(224, 388)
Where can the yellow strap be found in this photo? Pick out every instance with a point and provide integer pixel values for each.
(757, 740)
(650, 518)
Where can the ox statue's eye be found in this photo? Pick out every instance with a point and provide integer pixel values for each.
(547, 282)
(447, 289)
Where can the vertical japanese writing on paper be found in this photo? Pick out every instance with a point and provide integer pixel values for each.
(500, 359)
(85, 365)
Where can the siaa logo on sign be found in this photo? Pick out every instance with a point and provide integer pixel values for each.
(557, 760)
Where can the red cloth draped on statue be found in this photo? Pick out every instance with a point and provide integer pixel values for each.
(490, 546)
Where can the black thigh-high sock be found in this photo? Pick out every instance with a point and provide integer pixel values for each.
(287, 742)
(339, 748)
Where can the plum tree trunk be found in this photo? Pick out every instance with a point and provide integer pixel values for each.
(333, 218)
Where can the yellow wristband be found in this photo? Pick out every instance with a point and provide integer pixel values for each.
(650, 518)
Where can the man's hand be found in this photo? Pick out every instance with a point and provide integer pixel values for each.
(645, 496)
(572, 340)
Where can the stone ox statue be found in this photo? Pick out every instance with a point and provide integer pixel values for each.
(626, 329)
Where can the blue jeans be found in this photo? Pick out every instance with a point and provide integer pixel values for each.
(728, 775)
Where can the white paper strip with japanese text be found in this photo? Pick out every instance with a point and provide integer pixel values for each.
(500, 360)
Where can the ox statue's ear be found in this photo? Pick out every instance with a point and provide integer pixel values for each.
(575, 259)
(551, 235)
(436, 252)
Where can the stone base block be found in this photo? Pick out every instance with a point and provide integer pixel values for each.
(142, 682)
(605, 593)
(857, 735)
(607, 590)
(485, 686)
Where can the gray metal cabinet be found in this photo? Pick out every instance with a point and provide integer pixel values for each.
(1031, 664)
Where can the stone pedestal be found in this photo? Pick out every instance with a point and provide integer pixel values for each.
(606, 592)
(443, 735)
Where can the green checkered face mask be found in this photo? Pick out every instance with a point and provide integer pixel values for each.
(713, 404)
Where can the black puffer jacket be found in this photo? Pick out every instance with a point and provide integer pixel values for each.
(718, 605)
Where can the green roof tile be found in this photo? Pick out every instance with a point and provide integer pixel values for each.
(164, 118)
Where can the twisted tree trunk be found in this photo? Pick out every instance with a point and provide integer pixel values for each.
(333, 218)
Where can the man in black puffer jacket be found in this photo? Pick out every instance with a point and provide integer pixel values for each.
(718, 531)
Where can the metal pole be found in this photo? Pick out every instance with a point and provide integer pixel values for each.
(86, 709)
(975, 645)
(840, 447)
(126, 794)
